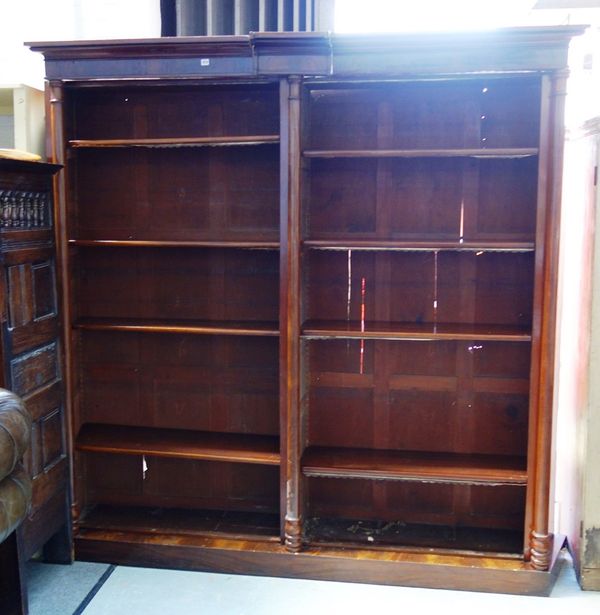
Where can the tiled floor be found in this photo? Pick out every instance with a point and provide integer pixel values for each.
(55, 590)
(59, 590)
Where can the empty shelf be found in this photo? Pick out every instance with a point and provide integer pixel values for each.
(414, 466)
(177, 141)
(519, 152)
(425, 246)
(323, 329)
(169, 326)
(152, 243)
(173, 521)
(178, 443)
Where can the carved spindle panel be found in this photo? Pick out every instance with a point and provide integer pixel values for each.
(24, 209)
(3, 206)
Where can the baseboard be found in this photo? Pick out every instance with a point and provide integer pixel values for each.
(262, 558)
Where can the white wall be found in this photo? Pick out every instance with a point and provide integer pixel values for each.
(44, 20)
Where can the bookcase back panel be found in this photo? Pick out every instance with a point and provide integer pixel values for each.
(466, 113)
(506, 200)
(397, 287)
(422, 198)
(181, 193)
(207, 284)
(204, 383)
(420, 287)
(447, 397)
(412, 505)
(120, 480)
(342, 198)
(482, 423)
(495, 288)
(170, 111)
(511, 112)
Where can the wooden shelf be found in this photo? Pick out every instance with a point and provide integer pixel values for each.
(178, 443)
(398, 535)
(144, 243)
(169, 326)
(425, 246)
(323, 329)
(183, 522)
(177, 141)
(414, 466)
(518, 152)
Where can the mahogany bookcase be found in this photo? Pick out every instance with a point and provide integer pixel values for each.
(309, 294)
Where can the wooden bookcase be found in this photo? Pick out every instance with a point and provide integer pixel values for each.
(309, 295)
(174, 267)
(419, 209)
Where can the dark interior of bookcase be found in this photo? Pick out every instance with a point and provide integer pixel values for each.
(489, 288)
(419, 208)
(173, 217)
(206, 383)
(490, 112)
(204, 284)
(224, 193)
(179, 111)
(418, 222)
(473, 199)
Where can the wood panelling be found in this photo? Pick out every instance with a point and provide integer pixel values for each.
(414, 503)
(422, 198)
(32, 292)
(422, 403)
(46, 484)
(175, 284)
(210, 383)
(179, 483)
(154, 112)
(487, 288)
(33, 359)
(52, 434)
(44, 290)
(424, 359)
(230, 524)
(211, 285)
(35, 369)
(484, 112)
(178, 193)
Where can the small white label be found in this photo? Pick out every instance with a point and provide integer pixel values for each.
(204, 62)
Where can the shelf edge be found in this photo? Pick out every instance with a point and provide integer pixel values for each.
(150, 243)
(191, 329)
(175, 142)
(507, 153)
(413, 477)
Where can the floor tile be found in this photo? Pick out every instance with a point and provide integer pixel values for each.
(54, 589)
(130, 591)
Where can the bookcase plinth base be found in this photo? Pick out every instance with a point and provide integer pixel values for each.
(266, 558)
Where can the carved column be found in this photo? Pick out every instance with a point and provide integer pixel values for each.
(55, 151)
(290, 314)
(540, 539)
(293, 534)
(541, 550)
